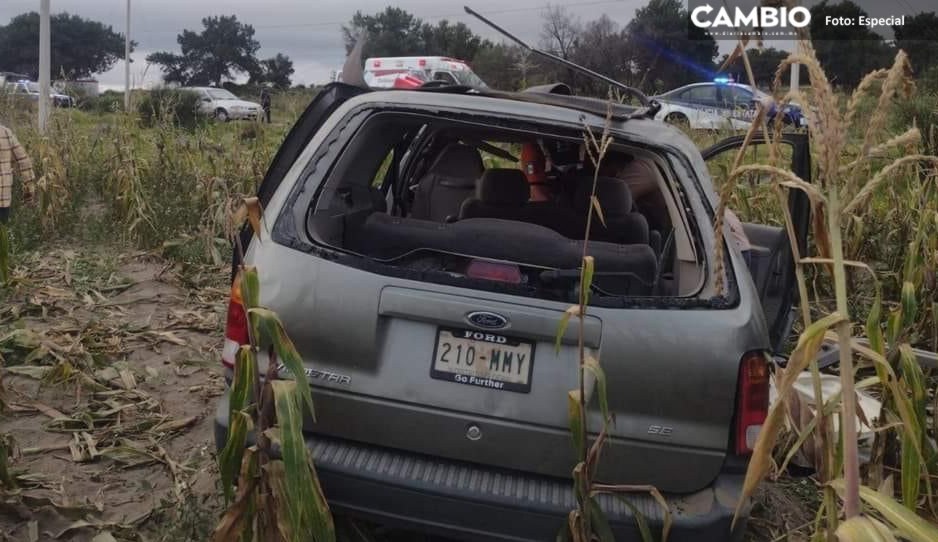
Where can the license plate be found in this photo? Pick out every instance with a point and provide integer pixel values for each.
(482, 359)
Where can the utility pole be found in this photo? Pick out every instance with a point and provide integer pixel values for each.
(127, 61)
(44, 64)
(796, 68)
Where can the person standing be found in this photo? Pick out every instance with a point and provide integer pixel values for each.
(13, 157)
(265, 103)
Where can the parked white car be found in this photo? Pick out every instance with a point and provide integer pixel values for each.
(721, 104)
(30, 90)
(223, 105)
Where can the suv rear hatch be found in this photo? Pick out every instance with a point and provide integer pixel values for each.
(378, 340)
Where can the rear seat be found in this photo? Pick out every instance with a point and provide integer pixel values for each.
(501, 193)
(388, 238)
(448, 182)
(615, 199)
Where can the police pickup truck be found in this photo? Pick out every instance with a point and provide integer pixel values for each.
(722, 104)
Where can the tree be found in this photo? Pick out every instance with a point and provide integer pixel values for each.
(603, 47)
(560, 32)
(919, 38)
(663, 52)
(502, 66)
(275, 70)
(847, 53)
(452, 40)
(223, 48)
(79, 47)
(393, 32)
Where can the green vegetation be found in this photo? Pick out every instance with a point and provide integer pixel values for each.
(163, 179)
(73, 56)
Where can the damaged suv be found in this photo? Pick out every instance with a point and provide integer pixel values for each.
(423, 286)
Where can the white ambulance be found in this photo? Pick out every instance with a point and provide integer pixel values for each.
(414, 71)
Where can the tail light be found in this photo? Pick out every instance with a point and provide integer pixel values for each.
(752, 401)
(501, 272)
(236, 325)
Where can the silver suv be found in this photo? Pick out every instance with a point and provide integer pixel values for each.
(424, 289)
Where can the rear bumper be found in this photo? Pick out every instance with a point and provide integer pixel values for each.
(472, 502)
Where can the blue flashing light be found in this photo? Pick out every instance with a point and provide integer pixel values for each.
(722, 80)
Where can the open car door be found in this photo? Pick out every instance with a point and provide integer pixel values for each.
(771, 263)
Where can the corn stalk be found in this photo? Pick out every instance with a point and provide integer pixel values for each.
(588, 521)
(278, 496)
(837, 195)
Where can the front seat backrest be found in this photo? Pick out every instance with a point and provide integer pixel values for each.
(447, 183)
(502, 193)
(615, 199)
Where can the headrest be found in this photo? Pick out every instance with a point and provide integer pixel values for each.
(504, 186)
(613, 194)
(458, 161)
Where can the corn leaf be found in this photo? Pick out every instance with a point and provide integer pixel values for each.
(599, 522)
(230, 458)
(250, 288)
(913, 381)
(272, 329)
(562, 326)
(909, 304)
(253, 208)
(592, 365)
(250, 299)
(640, 520)
(589, 267)
(308, 514)
(236, 521)
(761, 461)
(599, 210)
(874, 332)
(907, 523)
(864, 529)
(574, 410)
(245, 368)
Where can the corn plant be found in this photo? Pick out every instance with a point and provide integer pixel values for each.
(278, 496)
(588, 521)
(838, 196)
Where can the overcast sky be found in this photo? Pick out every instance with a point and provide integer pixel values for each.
(308, 31)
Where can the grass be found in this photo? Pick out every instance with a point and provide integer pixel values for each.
(109, 176)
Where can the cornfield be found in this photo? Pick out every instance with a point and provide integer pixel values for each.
(870, 273)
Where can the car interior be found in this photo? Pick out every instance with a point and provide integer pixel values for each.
(440, 196)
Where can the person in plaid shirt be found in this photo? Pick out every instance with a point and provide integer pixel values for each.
(13, 157)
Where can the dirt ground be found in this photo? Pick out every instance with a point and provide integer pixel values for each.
(112, 370)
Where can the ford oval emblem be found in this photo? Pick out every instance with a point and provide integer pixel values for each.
(487, 320)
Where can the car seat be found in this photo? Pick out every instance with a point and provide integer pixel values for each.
(502, 193)
(447, 183)
(622, 226)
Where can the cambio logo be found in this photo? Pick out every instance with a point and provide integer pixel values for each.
(762, 17)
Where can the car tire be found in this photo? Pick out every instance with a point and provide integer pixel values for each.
(678, 119)
(221, 115)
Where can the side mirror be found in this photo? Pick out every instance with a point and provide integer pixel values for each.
(206, 99)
